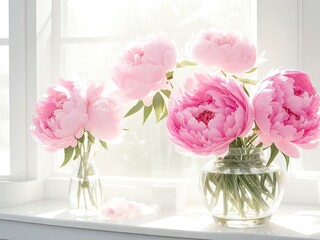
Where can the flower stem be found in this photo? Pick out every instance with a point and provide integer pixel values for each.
(244, 192)
(86, 193)
(225, 202)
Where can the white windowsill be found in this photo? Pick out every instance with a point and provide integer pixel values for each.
(50, 220)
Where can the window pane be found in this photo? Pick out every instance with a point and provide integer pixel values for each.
(94, 62)
(4, 19)
(144, 151)
(4, 106)
(96, 18)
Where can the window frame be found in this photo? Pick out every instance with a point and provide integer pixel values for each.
(24, 183)
(4, 41)
(22, 66)
(29, 62)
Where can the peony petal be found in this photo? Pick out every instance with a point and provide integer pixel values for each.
(265, 139)
(288, 148)
(233, 53)
(218, 126)
(287, 111)
(142, 68)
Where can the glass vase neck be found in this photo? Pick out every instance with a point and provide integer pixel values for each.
(240, 156)
(245, 151)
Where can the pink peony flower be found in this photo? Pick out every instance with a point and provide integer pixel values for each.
(286, 110)
(228, 51)
(120, 208)
(209, 114)
(105, 116)
(60, 116)
(142, 68)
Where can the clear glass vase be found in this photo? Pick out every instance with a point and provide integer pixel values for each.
(240, 190)
(85, 191)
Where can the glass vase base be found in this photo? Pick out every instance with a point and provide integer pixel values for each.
(242, 223)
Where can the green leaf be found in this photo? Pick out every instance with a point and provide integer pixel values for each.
(159, 106)
(274, 152)
(165, 113)
(245, 80)
(81, 140)
(77, 152)
(104, 144)
(91, 137)
(186, 63)
(169, 75)
(255, 126)
(287, 158)
(135, 108)
(166, 92)
(252, 70)
(68, 152)
(259, 145)
(146, 112)
(246, 90)
(248, 81)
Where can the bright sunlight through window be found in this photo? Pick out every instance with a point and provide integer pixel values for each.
(93, 32)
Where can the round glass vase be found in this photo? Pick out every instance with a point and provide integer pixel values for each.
(240, 190)
(85, 191)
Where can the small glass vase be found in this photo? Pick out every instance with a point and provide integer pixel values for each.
(85, 191)
(240, 190)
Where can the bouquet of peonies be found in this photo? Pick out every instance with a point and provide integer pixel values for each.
(213, 112)
(72, 117)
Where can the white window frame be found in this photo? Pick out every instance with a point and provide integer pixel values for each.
(20, 186)
(22, 66)
(4, 41)
(29, 62)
